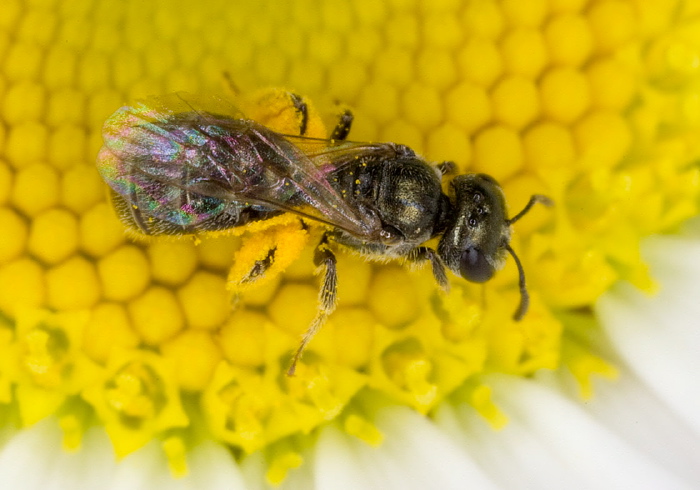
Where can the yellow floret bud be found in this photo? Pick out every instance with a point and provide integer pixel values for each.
(393, 286)
(468, 105)
(93, 72)
(81, 188)
(26, 143)
(525, 14)
(348, 80)
(205, 300)
(172, 262)
(567, 6)
(569, 40)
(124, 273)
(449, 142)
(23, 102)
(194, 355)
(602, 138)
(67, 146)
(613, 23)
(5, 181)
(379, 90)
(613, 84)
(36, 25)
(108, 329)
(156, 315)
(36, 189)
(21, 286)
(422, 105)
(480, 61)
(73, 284)
(128, 68)
(54, 235)
(217, 252)
(498, 152)
(100, 230)
(270, 64)
(516, 102)
(483, 20)
(405, 133)
(14, 235)
(294, 307)
(243, 338)
(566, 95)
(60, 67)
(369, 12)
(353, 335)
(23, 61)
(524, 52)
(66, 106)
(442, 30)
(403, 30)
(10, 13)
(436, 68)
(548, 146)
(327, 46)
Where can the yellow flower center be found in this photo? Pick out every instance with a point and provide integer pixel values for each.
(595, 104)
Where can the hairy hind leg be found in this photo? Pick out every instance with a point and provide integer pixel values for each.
(325, 260)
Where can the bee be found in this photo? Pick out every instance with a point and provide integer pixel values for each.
(181, 166)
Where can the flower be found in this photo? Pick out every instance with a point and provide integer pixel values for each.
(593, 103)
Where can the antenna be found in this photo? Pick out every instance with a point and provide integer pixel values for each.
(524, 295)
(535, 198)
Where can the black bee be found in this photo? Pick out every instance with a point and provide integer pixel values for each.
(177, 170)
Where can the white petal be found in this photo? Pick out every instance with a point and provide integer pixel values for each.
(551, 442)
(415, 455)
(632, 411)
(659, 336)
(213, 468)
(138, 470)
(336, 464)
(28, 457)
(89, 467)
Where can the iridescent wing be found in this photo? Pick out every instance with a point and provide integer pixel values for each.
(198, 163)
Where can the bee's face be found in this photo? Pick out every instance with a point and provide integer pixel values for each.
(474, 241)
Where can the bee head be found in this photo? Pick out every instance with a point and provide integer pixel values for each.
(477, 236)
(473, 243)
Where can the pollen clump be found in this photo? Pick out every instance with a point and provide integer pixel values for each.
(181, 338)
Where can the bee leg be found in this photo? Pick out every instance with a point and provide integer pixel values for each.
(420, 254)
(303, 111)
(447, 168)
(230, 84)
(260, 267)
(324, 258)
(342, 128)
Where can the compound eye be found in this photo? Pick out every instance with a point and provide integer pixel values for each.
(474, 267)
